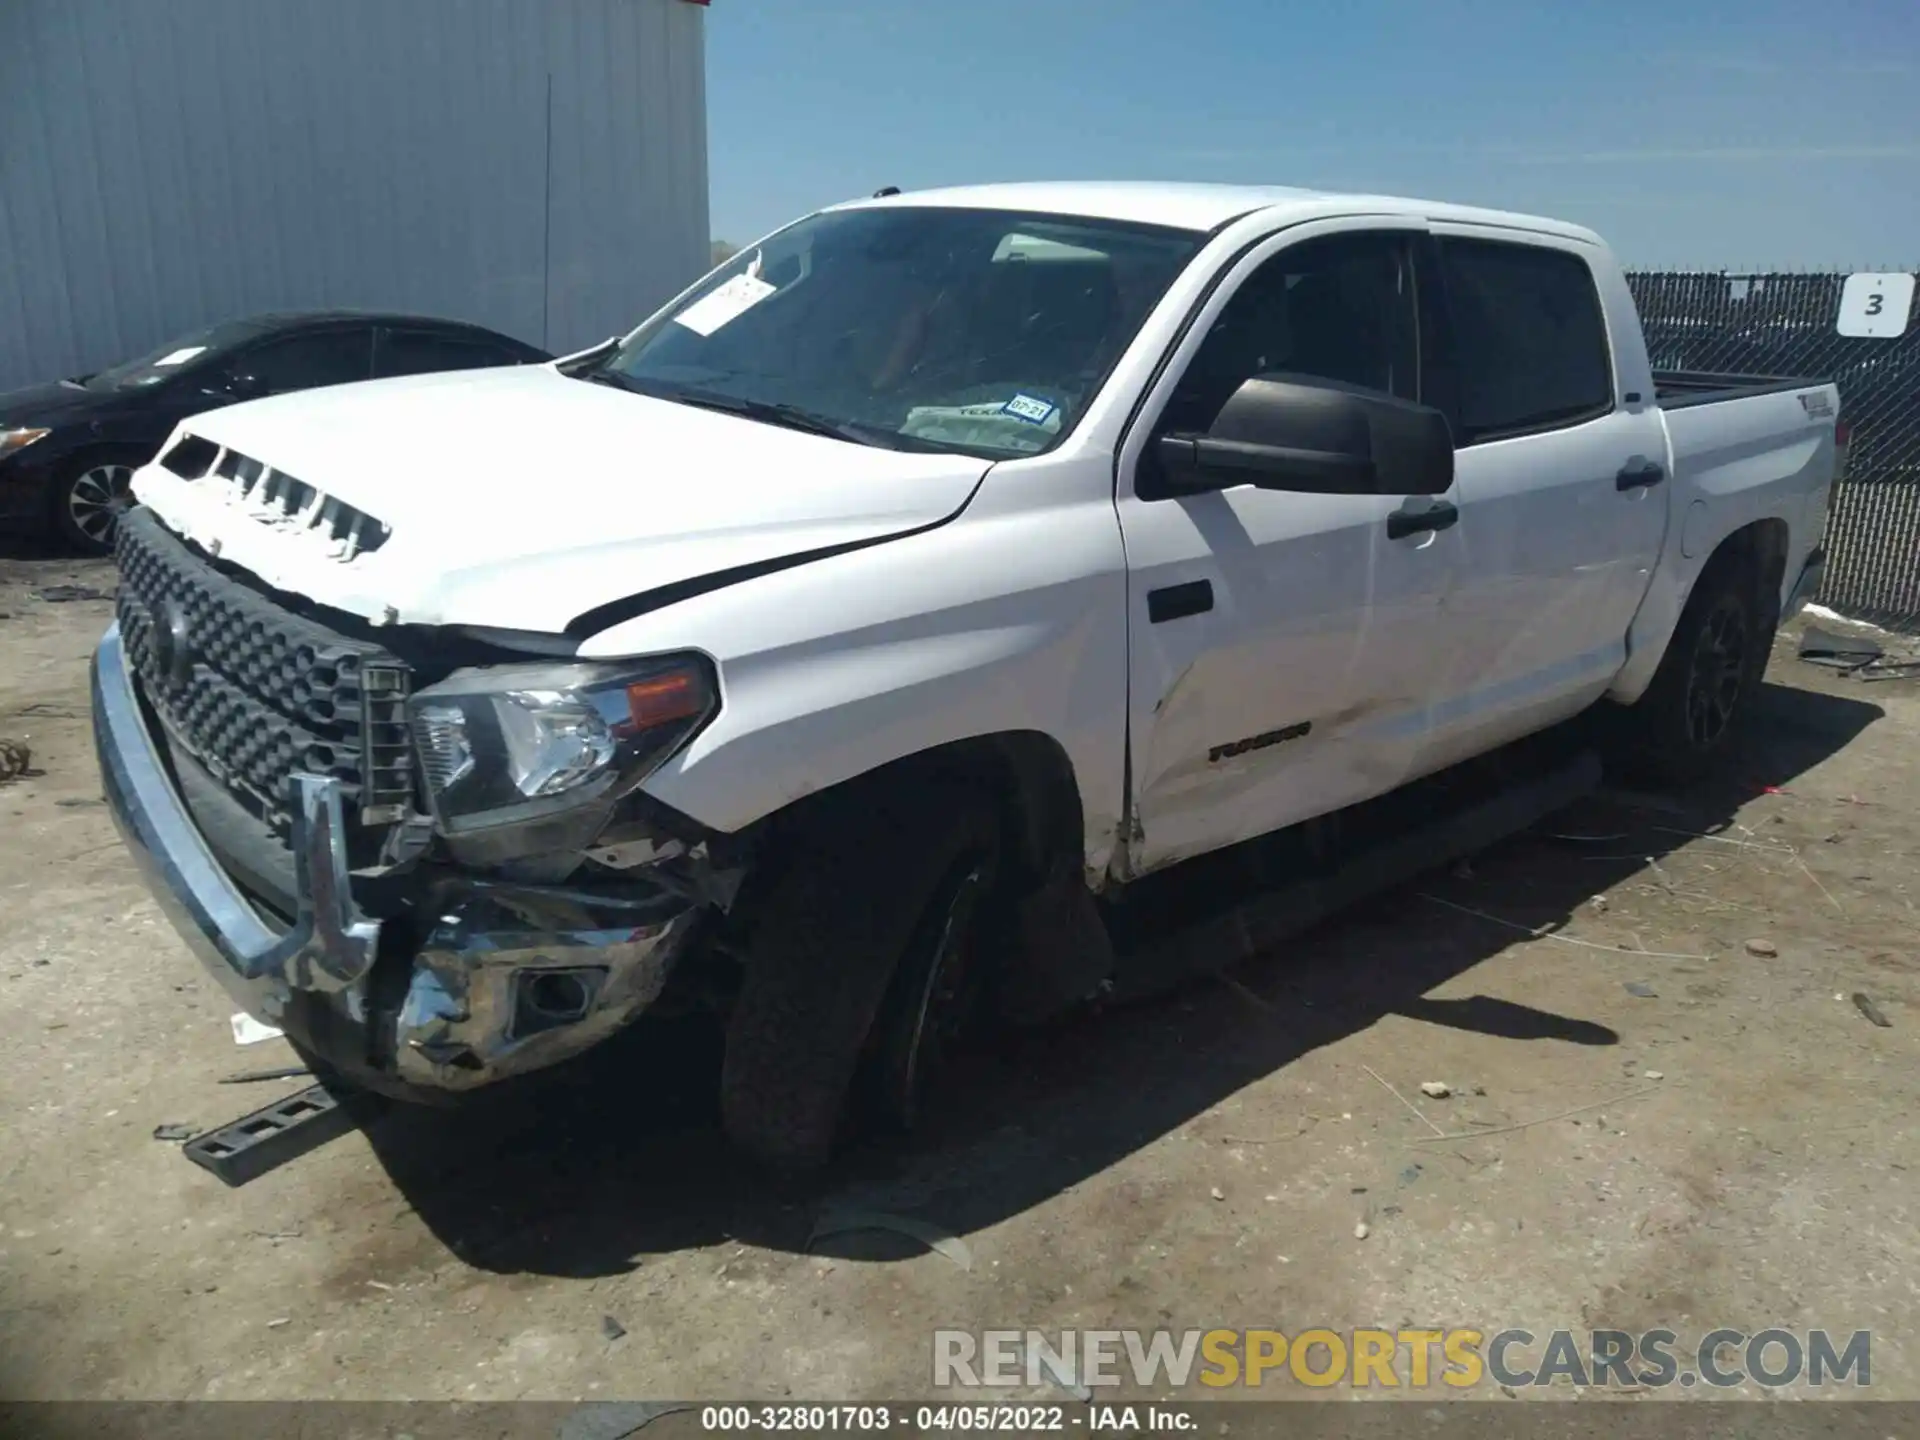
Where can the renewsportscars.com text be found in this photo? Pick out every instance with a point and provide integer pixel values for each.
(1415, 1359)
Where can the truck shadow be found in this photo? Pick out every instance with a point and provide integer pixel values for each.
(619, 1156)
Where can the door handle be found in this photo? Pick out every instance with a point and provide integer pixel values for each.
(1440, 516)
(1176, 602)
(1638, 474)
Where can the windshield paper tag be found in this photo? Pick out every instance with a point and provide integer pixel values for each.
(179, 357)
(1029, 408)
(988, 423)
(729, 302)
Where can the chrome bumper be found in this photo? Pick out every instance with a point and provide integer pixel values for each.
(507, 979)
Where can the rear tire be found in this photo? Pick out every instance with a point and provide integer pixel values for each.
(861, 963)
(1700, 694)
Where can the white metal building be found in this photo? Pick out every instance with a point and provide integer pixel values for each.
(539, 166)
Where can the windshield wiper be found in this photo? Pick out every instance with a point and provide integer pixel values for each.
(600, 376)
(768, 412)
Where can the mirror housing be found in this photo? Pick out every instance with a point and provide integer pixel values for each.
(1283, 432)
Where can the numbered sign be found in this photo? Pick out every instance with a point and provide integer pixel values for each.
(1875, 306)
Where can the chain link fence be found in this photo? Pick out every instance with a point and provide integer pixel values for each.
(1785, 324)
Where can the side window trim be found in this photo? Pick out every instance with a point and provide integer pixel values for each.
(1448, 354)
(1437, 380)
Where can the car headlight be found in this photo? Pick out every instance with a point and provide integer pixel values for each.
(508, 744)
(12, 440)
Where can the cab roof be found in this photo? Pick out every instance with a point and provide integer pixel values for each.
(1202, 208)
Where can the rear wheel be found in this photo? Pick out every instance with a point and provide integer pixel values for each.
(88, 501)
(1701, 692)
(863, 965)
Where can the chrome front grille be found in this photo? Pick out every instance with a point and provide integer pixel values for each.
(256, 692)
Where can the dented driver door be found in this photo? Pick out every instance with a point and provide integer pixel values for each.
(1284, 647)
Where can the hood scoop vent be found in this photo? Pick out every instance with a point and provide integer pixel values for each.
(274, 498)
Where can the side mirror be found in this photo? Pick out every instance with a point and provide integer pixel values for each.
(1315, 436)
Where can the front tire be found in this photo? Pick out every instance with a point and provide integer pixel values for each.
(862, 963)
(936, 988)
(1684, 722)
(88, 500)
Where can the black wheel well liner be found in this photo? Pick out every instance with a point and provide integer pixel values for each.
(1761, 543)
(1025, 773)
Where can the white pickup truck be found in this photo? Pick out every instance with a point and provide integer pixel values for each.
(850, 647)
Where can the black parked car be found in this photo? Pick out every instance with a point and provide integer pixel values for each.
(68, 450)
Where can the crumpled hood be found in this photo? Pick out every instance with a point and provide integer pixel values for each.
(521, 499)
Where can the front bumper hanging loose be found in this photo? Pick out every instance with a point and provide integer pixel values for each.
(506, 978)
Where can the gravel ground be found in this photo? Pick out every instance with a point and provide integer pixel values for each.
(1681, 1128)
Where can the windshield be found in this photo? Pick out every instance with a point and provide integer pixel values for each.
(178, 355)
(980, 331)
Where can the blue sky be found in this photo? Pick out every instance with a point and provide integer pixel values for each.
(1703, 133)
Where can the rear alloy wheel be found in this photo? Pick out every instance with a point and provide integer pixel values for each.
(1676, 731)
(1718, 672)
(88, 505)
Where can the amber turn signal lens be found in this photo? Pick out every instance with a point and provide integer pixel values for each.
(661, 699)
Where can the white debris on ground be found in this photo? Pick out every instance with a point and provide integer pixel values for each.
(1834, 617)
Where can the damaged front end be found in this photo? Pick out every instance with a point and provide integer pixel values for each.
(510, 900)
(512, 978)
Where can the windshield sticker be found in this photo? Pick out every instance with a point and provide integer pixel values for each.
(986, 424)
(179, 357)
(1029, 408)
(729, 302)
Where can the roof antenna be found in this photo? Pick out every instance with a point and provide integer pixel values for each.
(886, 190)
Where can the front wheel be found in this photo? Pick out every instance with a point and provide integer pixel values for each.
(863, 963)
(936, 989)
(88, 501)
(1683, 723)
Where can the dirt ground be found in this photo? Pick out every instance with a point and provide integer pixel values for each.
(1740, 1150)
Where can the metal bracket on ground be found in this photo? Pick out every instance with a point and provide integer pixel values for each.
(249, 1147)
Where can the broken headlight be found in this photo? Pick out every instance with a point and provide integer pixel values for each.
(505, 745)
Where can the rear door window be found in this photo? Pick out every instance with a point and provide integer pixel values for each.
(1529, 339)
(422, 352)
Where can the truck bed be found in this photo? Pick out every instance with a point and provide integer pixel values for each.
(1679, 389)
